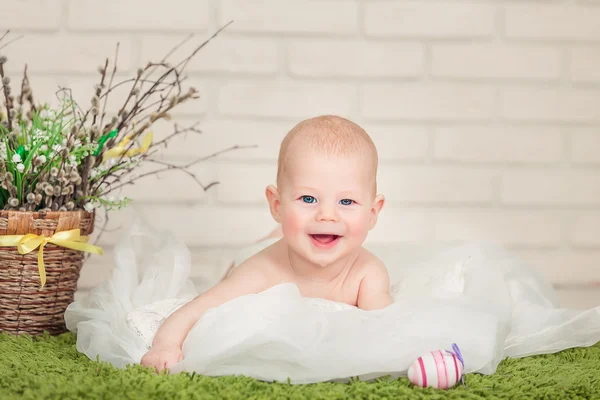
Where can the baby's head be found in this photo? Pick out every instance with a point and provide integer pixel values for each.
(326, 196)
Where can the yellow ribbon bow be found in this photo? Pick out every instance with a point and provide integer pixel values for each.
(70, 239)
(119, 149)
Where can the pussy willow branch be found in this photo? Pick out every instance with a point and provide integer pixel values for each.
(125, 81)
(137, 105)
(98, 93)
(124, 122)
(88, 160)
(7, 99)
(177, 131)
(169, 166)
(151, 67)
(23, 85)
(112, 77)
(182, 64)
(3, 36)
(152, 90)
(70, 138)
(10, 41)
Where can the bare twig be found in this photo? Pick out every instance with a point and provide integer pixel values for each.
(88, 160)
(112, 77)
(10, 41)
(169, 166)
(184, 62)
(175, 133)
(7, 99)
(23, 85)
(5, 34)
(55, 182)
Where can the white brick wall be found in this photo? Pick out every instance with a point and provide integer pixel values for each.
(137, 16)
(433, 19)
(354, 58)
(563, 20)
(486, 114)
(433, 102)
(293, 17)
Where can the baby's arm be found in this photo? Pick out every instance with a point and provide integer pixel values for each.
(248, 278)
(374, 289)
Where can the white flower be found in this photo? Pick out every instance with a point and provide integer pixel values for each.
(42, 158)
(44, 147)
(20, 167)
(89, 207)
(77, 143)
(16, 158)
(57, 147)
(43, 114)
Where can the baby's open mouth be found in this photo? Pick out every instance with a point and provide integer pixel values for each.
(324, 238)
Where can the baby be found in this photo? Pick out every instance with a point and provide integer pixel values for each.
(326, 202)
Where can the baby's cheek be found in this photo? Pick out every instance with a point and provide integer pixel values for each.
(292, 224)
(358, 227)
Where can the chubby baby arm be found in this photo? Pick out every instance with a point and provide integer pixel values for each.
(374, 289)
(166, 351)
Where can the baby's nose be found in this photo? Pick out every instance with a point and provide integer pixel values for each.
(327, 213)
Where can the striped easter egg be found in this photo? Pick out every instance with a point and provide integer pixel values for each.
(438, 369)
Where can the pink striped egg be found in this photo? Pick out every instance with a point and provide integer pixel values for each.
(438, 369)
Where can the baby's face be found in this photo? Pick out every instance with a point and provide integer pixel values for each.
(327, 205)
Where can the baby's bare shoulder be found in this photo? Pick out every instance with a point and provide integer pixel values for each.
(265, 263)
(368, 263)
(374, 287)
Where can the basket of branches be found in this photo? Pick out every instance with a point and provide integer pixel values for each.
(61, 165)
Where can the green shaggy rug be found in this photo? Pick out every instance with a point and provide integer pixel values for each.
(51, 368)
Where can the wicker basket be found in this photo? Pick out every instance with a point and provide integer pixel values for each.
(24, 308)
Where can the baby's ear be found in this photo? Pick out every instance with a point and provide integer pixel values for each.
(375, 209)
(274, 202)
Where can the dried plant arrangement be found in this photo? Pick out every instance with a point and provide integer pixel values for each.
(74, 157)
(60, 164)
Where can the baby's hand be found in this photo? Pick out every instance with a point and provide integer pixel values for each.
(162, 357)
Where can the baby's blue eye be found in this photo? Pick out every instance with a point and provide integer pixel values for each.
(346, 202)
(308, 199)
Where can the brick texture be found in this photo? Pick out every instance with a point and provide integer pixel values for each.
(442, 102)
(273, 16)
(485, 114)
(552, 21)
(31, 15)
(137, 15)
(435, 19)
(335, 58)
(498, 144)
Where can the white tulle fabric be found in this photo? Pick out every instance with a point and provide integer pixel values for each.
(476, 295)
